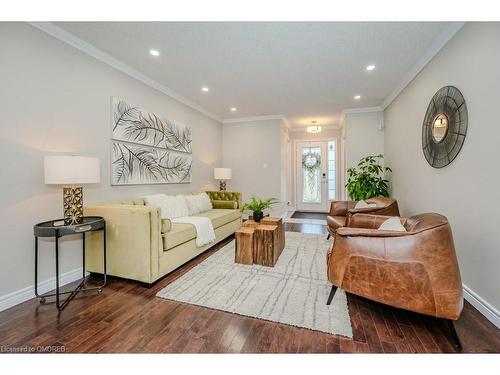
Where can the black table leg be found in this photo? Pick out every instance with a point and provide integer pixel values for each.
(332, 294)
(450, 326)
(83, 254)
(104, 249)
(81, 285)
(42, 298)
(57, 272)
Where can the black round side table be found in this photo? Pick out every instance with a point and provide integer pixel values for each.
(57, 229)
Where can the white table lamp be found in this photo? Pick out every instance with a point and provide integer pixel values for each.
(72, 172)
(222, 174)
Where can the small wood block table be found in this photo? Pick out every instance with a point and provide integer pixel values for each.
(260, 243)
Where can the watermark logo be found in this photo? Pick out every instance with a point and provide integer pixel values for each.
(33, 349)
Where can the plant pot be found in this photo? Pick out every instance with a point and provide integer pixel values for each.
(257, 216)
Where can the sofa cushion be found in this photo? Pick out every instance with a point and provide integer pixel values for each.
(171, 206)
(225, 196)
(178, 234)
(219, 217)
(198, 203)
(232, 205)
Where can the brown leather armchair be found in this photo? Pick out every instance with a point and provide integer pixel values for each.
(341, 212)
(415, 270)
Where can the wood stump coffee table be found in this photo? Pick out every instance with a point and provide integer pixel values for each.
(260, 243)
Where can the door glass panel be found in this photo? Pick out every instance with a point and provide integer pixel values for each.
(311, 172)
(331, 170)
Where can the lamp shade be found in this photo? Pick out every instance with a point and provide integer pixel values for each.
(71, 170)
(222, 173)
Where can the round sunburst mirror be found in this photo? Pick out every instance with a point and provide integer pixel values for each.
(445, 127)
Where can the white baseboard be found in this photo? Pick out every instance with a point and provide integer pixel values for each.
(45, 286)
(490, 312)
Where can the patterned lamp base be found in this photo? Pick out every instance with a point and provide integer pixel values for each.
(222, 185)
(73, 205)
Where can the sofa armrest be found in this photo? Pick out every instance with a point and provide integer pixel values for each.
(232, 196)
(133, 238)
(166, 225)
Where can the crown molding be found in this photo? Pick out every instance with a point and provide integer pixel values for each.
(100, 55)
(287, 123)
(304, 129)
(349, 111)
(255, 118)
(442, 39)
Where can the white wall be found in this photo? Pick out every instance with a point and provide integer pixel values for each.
(363, 136)
(467, 190)
(253, 151)
(56, 99)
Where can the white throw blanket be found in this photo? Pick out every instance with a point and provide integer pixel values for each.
(204, 228)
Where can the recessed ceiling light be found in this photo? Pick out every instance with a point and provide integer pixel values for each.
(154, 52)
(204, 89)
(357, 97)
(370, 67)
(233, 109)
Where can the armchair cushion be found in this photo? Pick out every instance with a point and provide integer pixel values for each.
(363, 204)
(393, 223)
(371, 221)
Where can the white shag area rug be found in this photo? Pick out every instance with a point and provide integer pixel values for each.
(293, 292)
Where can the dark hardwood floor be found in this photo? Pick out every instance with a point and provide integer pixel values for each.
(127, 317)
(309, 215)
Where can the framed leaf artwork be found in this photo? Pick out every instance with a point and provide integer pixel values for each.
(147, 149)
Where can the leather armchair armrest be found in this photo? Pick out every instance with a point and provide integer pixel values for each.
(367, 210)
(369, 221)
(340, 208)
(364, 210)
(364, 232)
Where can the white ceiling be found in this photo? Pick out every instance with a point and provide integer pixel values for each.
(303, 70)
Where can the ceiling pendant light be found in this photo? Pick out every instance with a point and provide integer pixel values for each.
(314, 128)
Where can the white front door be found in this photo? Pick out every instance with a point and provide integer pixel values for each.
(315, 175)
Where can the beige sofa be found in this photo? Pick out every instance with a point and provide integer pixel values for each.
(143, 247)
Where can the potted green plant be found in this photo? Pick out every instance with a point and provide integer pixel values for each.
(367, 179)
(257, 206)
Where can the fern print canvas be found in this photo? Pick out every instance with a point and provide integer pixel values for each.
(137, 164)
(147, 149)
